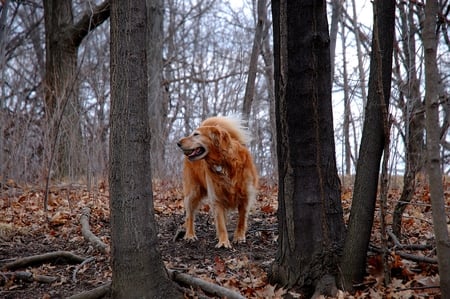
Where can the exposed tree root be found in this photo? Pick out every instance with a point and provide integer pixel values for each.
(178, 277)
(98, 292)
(207, 287)
(55, 257)
(88, 235)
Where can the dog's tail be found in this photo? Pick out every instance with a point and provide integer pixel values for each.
(233, 125)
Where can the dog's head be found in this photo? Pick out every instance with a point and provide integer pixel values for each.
(204, 141)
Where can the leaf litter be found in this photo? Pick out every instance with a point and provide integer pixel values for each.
(26, 230)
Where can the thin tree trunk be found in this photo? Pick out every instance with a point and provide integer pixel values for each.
(334, 26)
(347, 110)
(157, 102)
(432, 93)
(359, 54)
(414, 124)
(253, 67)
(353, 263)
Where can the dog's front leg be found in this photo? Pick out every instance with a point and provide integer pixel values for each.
(190, 206)
(221, 229)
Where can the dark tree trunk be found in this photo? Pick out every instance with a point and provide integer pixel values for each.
(310, 217)
(353, 263)
(138, 269)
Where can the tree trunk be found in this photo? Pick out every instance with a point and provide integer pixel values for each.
(309, 188)
(158, 103)
(414, 124)
(62, 39)
(353, 263)
(138, 269)
(334, 26)
(432, 99)
(347, 107)
(253, 66)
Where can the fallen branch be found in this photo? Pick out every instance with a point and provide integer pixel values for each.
(25, 277)
(88, 235)
(98, 292)
(407, 256)
(408, 246)
(207, 287)
(56, 257)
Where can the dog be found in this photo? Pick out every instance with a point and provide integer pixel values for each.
(218, 166)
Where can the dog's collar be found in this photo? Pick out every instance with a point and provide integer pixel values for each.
(218, 168)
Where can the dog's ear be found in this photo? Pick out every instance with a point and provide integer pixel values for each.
(219, 136)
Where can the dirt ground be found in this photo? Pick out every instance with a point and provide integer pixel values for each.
(25, 232)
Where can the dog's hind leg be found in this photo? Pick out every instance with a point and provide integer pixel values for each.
(241, 227)
(243, 210)
(221, 228)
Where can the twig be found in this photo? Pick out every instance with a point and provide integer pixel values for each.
(209, 288)
(55, 256)
(98, 292)
(88, 235)
(74, 275)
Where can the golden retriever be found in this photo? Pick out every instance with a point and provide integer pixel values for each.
(218, 166)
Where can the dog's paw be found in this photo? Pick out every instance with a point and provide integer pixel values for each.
(239, 240)
(190, 237)
(224, 243)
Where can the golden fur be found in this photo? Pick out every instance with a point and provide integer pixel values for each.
(218, 166)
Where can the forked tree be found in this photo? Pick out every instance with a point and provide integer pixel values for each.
(63, 37)
(137, 265)
(311, 227)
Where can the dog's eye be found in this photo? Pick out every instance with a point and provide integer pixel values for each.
(195, 134)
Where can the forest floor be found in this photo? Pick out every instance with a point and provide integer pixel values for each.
(26, 230)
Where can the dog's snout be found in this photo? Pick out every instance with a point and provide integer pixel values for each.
(179, 144)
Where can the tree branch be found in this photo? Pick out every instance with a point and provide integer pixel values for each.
(89, 21)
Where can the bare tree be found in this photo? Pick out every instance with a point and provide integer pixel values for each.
(138, 269)
(63, 38)
(432, 99)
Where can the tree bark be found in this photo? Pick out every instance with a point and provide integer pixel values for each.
(138, 269)
(353, 263)
(309, 188)
(432, 99)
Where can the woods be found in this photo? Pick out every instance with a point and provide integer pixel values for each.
(347, 103)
